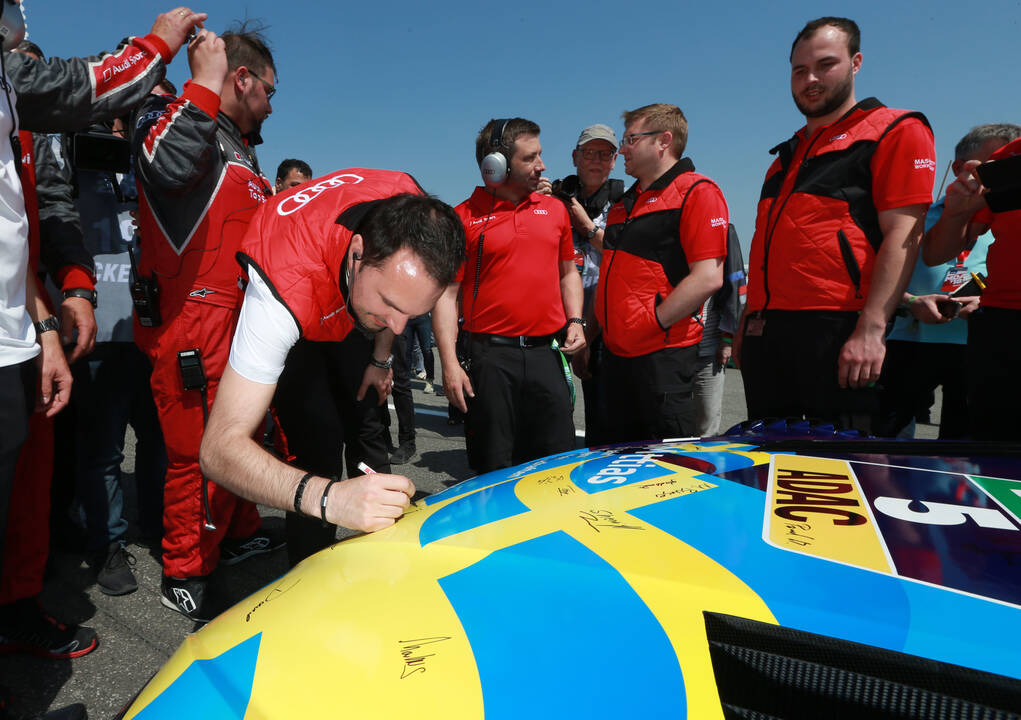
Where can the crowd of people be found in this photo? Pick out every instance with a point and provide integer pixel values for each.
(201, 303)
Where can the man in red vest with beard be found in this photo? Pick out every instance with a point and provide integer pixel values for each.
(837, 233)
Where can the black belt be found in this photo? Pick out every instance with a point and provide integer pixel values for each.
(524, 341)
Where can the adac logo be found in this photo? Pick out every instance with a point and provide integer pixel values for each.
(609, 472)
(294, 203)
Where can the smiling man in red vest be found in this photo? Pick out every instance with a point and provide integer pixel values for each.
(837, 233)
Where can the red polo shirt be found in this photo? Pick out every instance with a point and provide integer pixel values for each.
(522, 246)
(1003, 262)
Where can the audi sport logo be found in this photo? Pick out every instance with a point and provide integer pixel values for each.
(300, 199)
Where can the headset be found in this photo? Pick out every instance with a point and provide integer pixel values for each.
(494, 165)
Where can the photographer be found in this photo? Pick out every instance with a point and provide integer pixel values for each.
(588, 197)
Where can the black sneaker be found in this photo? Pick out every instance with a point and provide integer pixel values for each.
(26, 628)
(234, 550)
(115, 576)
(191, 597)
(404, 453)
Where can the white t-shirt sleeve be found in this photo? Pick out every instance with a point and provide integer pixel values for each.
(266, 332)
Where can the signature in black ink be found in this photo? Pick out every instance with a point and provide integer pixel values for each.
(565, 490)
(272, 595)
(799, 538)
(658, 484)
(605, 519)
(414, 660)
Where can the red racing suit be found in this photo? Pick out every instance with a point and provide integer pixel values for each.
(199, 185)
(60, 95)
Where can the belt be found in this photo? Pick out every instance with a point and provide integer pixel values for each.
(523, 341)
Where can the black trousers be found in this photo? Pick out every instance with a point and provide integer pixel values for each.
(404, 403)
(790, 371)
(649, 397)
(595, 400)
(321, 419)
(17, 400)
(522, 406)
(911, 371)
(994, 374)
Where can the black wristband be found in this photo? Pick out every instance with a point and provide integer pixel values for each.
(385, 365)
(576, 320)
(89, 295)
(299, 491)
(325, 498)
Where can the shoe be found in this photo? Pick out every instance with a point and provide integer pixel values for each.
(191, 597)
(25, 627)
(404, 453)
(428, 388)
(115, 577)
(234, 550)
(420, 374)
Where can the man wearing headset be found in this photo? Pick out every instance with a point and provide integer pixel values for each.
(518, 290)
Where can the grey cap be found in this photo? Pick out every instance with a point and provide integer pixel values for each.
(598, 132)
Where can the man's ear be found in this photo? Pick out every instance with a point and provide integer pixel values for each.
(356, 247)
(241, 79)
(665, 140)
(856, 63)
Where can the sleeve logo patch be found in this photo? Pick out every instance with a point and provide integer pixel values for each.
(925, 164)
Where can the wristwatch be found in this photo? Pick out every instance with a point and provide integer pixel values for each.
(385, 365)
(50, 323)
(592, 233)
(579, 321)
(89, 295)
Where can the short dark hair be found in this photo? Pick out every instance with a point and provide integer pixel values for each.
(292, 164)
(662, 117)
(849, 27)
(27, 46)
(977, 137)
(423, 224)
(246, 45)
(168, 87)
(516, 127)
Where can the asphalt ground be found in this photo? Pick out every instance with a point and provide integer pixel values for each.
(137, 635)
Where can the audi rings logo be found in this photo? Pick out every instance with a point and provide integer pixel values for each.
(296, 202)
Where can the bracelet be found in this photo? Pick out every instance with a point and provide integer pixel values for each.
(385, 365)
(50, 323)
(325, 498)
(912, 299)
(300, 491)
(577, 321)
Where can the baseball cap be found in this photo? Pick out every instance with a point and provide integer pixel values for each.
(598, 132)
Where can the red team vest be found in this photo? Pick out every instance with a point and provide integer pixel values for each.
(817, 230)
(299, 239)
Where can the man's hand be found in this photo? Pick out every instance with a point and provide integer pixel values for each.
(369, 502)
(54, 376)
(457, 386)
(965, 194)
(207, 57)
(579, 363)
(724, 353)
(861, 358)
(580, 220)
(545, 186)
(382, 380)
(925, 309)
(76, 312)
(175, 26)
(575, 340)
(968, 305)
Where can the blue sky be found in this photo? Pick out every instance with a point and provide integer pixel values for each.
(407, 85)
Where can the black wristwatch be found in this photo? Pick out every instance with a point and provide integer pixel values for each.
(386, 365)
(89, 295)
(579, 321)
(50, 323)
(592, 233)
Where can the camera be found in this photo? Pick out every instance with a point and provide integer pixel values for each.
(566, 189)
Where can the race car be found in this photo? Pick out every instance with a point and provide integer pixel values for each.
(733, 577)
